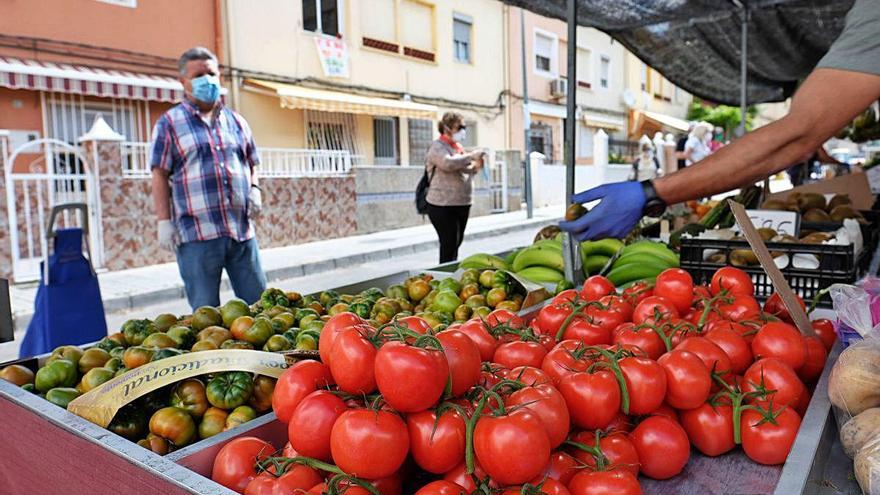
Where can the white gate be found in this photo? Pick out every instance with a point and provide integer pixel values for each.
(39, 175)
(498, 183)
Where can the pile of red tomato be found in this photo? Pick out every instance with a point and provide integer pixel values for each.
(596, 390)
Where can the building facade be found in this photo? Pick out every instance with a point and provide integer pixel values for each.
(654, 104)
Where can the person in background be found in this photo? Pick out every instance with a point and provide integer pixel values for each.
(646, 166)
(717, 140)
(679, 147)
(451, 170)
(845, 82)
(696, 147)
(659, 154)
(204, 213)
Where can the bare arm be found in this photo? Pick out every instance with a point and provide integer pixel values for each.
(825, 103)
(161, 194)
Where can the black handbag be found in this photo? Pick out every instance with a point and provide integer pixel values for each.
(422, 192)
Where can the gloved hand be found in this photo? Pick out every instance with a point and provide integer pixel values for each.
(615, 216)
(255, 201)
(169, 238)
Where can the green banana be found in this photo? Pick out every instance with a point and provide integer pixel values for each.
(512, 256)
(627, 273)
(657, 248)
(643, 257)
(483, 261)
(594, 264)
(541, 274)
(539, 256)
(549, 244)
(604, 247)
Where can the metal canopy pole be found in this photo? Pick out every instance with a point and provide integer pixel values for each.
(527, 119)
(743, 67)
(571, 253)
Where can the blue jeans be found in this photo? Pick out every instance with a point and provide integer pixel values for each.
(201, 264)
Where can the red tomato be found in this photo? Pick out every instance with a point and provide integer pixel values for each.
(352, 362)
(709, 428)
(621, 423)
(297, 477)
(768, 442)
(637, 292)
(504, 317)
(549, 406)
(478, 331)
(645, 382)
(463, 357)
(311, 423)
(568, 295)
(582, 329)
(781, 341)
(815, 361)
(298, 381)
(618, 450)
(825, 331)
(369, 444)
(512, 449)
(604, 483)
(781, 382)
(734, 280)
(520, 353)
(666, 410)
(645, 338)
(390, 485)
(561, 467)
(529, 375)
(774, 306)
(289, 451)
(652, 307)
(334, 325)
(713, 356)
(618, 304)
(459, 476)
(593, 399)
(747, 332)
(437, 446)
(595, 287)
(441, 487)
(414, 323)
(410, 378)
(739, 307)
(608, 319)
(564, 359)
(662, 445)
(688, 382)
(234, 464)
(550, 317)
(547, 487)
(677, 286)
(734, 345)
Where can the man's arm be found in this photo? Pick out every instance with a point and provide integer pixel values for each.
(161, 194)
(825, 103)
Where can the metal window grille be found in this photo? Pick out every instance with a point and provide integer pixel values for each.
(421, 134)
(542, 140)
(385, 140)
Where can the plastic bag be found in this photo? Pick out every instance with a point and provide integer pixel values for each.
(854, 382)
(857, 309)
(867, 467)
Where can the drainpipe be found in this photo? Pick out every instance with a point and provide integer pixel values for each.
(227, 33)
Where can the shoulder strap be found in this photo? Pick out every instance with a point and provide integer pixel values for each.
(431, 175)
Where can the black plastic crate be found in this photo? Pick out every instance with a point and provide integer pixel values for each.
(837, 264)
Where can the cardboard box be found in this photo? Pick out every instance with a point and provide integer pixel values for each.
(855, 184)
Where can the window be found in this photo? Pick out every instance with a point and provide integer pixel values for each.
(545, 54)
(461, 37)
(421, 134)
(379, 25)
(541, 140)
(644, 76)
(69, 118)
(321, 16)
(583, 68)
(470, 139)
(604, 71)
(676, 95)
(385, 140)
(585, 142)
(416, 29)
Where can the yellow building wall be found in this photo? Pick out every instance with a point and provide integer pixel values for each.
(272, 125)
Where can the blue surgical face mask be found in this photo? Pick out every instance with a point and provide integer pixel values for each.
(206, 88)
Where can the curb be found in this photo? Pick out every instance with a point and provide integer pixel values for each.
(133, 301)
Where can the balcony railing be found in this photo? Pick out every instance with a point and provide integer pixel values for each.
(275, 162)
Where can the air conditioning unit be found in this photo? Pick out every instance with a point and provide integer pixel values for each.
(559, 88)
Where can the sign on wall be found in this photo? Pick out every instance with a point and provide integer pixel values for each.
(333, 54)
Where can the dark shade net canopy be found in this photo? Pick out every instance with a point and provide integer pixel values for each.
(696, 44)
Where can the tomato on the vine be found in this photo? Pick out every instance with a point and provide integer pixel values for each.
(605, 483)
(733, 280)
(713, 356)
(564, 359)
(549, 406)
(656, 308)
(688, 381)
(437, 445)
(332, 328)
(547, 487)
(551, 317)
(777, 379)
(410, 378)
(618, 450)
(781, 341)
(709, 428)
(739, 307)
(734, 345)
(369, 444)
(478, 331)
(637, 292)
(234, 464)
(645, 382)
(677, 286)
(595, 287)
(463, 357)
(767, 438)
(298, 381)
(561, 467)
(504, 317)
(529, 376)
(815, 360)
(582, 329)
(645, 338)
(352, 362)
(311, 423)
(662, 445)
(520, 353)
(512, 448)
(824, 329)
(593, 399)
(441, 487)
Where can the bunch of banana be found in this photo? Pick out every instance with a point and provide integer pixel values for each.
(642, 260)
(541, 262)
(483, 261)
(596, 254)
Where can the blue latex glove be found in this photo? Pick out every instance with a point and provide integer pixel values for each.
(615, 216)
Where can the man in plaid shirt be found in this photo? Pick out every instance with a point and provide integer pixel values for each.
(203, 160)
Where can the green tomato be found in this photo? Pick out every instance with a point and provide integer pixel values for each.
(306, 341)
(290, 335)
(462, 313)
(107, 344)
(470, 276)
(397, 291)
(117, 352)
(482, 311)
(240, 415)
(71, 353)
(277, 343)
(486, 278)
(303, 312)
(166, 353)
(130, 422)
(60, 373)
(451, 284)
(237, 344)
(282, 322)
(360, 308)
(114, 364)
(230, 390)
(183, 337)
(475, 301)
(29, 387)
(61, 396)
(445, 302)
(135, 331)
(259, 332)
(501, 280)
(95, 377)
(328, 298)
(190, 395)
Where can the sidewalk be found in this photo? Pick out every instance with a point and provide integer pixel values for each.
(127, 289)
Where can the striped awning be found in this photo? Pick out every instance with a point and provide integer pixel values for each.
(299, 97)
(76, 79)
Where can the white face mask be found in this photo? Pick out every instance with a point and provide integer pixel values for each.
(460, 136)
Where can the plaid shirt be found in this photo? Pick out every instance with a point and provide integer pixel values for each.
(209, 166)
